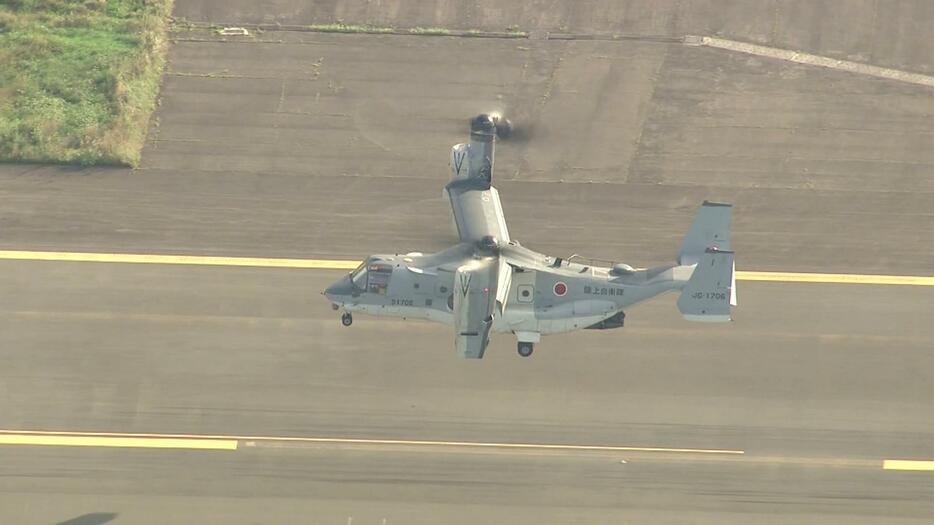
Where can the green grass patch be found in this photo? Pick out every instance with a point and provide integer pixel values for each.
(429, 31)
(514, 30)
(350, 28)
(79, 78)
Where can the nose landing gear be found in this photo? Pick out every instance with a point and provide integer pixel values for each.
(525, 349)
(346, 319)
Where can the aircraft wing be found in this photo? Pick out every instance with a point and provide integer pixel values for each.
(475, 286)
(477, 211)
(474, 202)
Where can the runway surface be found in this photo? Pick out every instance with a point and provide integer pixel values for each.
(309, 146)
(257, 352)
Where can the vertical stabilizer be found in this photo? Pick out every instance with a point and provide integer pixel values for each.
(708, 294)
(710, 229)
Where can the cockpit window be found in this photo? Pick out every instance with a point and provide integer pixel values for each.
(358, 276)
(372, 277)
(378, 278)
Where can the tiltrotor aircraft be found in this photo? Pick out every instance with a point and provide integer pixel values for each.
(489, 282)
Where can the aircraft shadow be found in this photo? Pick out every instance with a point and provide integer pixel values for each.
(94, 518)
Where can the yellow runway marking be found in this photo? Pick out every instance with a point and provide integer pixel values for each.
(514, 446)
(233, 442)
(196, 260)
(835, 278)
(124, 441)
(904, 464)
(40, 437)
(336, 264)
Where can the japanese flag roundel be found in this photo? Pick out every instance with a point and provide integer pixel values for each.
(560, 289)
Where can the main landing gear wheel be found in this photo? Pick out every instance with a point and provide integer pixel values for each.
(525, 349)
(347, 319)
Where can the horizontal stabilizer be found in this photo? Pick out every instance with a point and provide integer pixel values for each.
(709, 292)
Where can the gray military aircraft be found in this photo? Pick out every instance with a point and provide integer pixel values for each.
(489, 282)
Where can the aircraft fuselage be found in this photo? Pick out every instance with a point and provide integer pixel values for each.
(544, 295)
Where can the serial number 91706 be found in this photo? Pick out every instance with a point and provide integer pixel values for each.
(403, 302)
(717, 296)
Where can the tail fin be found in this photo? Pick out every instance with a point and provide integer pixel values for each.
(711, 290)
(711, 229)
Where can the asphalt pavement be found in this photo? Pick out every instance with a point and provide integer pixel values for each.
(288, 143)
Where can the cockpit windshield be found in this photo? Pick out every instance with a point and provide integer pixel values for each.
(358, 276)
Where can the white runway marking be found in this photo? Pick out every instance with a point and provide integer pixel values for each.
(812, 60)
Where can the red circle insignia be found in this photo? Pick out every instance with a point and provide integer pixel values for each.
(560, 289)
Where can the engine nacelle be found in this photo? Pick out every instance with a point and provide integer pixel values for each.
(615, 321)
(460, 163)
(475, 159)
(622, 269)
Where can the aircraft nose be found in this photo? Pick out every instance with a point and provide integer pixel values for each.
(338, 291)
